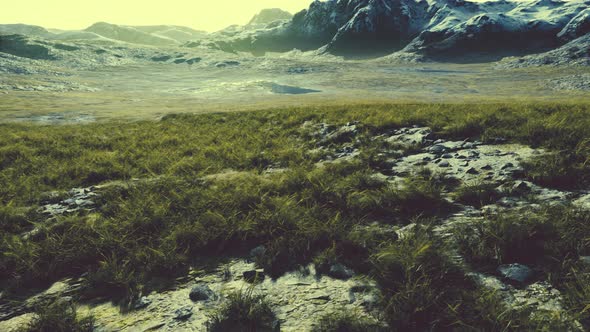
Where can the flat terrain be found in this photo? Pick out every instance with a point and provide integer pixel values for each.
(149, 90)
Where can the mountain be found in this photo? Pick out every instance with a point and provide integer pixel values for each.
(270, 15)
(432, 29)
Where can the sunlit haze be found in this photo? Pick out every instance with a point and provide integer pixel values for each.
(199, 14)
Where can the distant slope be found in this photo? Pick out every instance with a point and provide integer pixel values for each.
(576, 52)
(24, 29)
(129, 35)
(21, 46)
(179, 33)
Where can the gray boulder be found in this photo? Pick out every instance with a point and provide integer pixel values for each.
(201, 293)
(516, 273)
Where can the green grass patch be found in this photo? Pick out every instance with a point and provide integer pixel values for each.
(209, 186)
(59, 316)
(244, 311)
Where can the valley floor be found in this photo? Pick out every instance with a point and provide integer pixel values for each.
(147, 90)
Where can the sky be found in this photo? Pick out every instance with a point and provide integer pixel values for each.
(210, 15)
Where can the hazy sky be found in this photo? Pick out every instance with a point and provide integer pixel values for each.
(200, 14)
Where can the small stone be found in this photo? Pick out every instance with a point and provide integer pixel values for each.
(253, 276)
(516, 273)
(447, 156)
(339, 271)
(201, 293)
(487, 167)
(472, 170)
(183, 313)
(426, 159)
(444, 164)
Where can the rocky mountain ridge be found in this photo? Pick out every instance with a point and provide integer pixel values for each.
(432, 29)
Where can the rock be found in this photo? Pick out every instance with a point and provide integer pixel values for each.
(339, 271)
(341, 135)
(437, 149)
(370, 301)
(257, 253)
(507, 165)
(585, 260)
(223, 64)
(253, 276)
(496, 140)
(516, 273)
(183, 313)
(142, 303)
(201, 293)
(444, 164)
(472, 170)
(447, 156)
(193, 60)
(487, 168)
(521, 187)
(319, 296)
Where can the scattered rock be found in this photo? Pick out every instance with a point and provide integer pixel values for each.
(472, 170)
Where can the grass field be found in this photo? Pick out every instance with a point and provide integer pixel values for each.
(207, 188)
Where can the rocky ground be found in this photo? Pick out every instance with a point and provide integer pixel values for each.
(298, 298)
